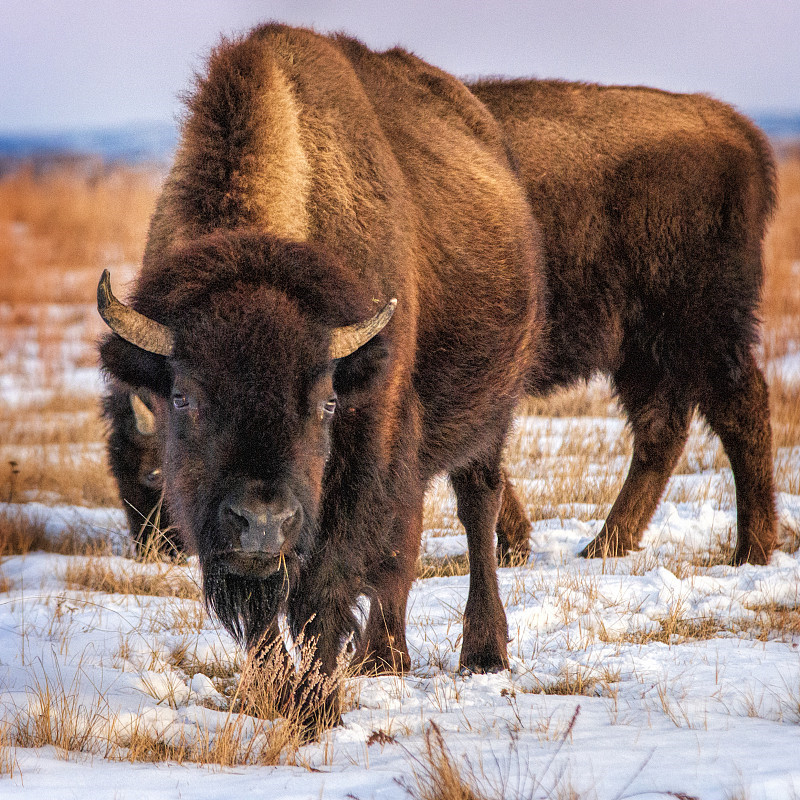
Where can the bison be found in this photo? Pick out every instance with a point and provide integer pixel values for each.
(608, 170)
(653, 208)
(340, 298)
(135, 455)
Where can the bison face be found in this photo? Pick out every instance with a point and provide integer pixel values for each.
(147, 410)
(247, 442)
(249, 381)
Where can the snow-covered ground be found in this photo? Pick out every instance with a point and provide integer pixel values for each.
(706, 714)
(651, 676)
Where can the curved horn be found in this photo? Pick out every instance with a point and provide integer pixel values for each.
(145, 418)
(131, 325)
(348, 339)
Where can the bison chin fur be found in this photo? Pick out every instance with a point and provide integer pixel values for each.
(248, 607)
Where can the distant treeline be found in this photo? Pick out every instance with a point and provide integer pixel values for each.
(138, 143)
(155, 142)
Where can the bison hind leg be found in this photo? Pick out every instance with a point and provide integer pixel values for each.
(738, 412)
(660, 421)
(513, 528)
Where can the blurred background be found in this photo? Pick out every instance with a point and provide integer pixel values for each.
(89, 116)
(105, 76)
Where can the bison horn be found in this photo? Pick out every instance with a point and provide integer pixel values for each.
(131, 325)
(348, 339)
(145, 418)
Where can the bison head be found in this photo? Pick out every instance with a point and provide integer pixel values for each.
(249, 363)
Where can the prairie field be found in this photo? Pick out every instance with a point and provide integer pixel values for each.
(666, 673)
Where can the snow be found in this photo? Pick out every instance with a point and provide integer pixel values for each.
(788, 367)
(706, 716)
(678, 681)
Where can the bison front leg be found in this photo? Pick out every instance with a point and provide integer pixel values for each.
(383, 647)
(479, 490)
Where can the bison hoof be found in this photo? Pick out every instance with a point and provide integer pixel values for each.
(480, 663)
(601, 547)
(750, 555)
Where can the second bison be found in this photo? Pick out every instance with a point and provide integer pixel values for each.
(653, 207)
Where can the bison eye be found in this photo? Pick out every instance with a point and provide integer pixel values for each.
(328, 407)
(181, 401)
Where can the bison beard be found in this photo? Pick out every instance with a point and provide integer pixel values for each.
(246, 606)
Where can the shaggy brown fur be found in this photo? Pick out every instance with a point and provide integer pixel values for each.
(653, 208)
(316, 179)
(136, 460)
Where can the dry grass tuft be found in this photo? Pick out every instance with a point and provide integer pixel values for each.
(775, 620)
(444, 567)
(158, 579)
(61, 474)
(574, 679)
(8, 758)
(584, 400)
(23, 533)
(59, 715)
(20, 534)
(437, 776)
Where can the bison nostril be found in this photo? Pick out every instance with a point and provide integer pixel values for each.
(261, 527)
(234, 517)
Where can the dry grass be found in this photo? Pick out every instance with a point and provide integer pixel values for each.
(585, 400)
(58, 715)
(8, 759)
(76, 475)
(436, 774)
(775, 620)
(67, 221)
(573, 680)
(444, 567)
(780, 307)
(23, 533)
(267, 721)
(158, 579)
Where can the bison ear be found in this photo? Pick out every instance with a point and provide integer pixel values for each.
(136, 367)
(356, 375)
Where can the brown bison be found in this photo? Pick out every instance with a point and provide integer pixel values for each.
(652, 208)
(135, 455)
(319, 191)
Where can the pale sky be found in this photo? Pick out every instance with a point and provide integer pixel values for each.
(76, 63)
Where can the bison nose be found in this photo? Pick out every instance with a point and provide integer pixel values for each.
(263, 526)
